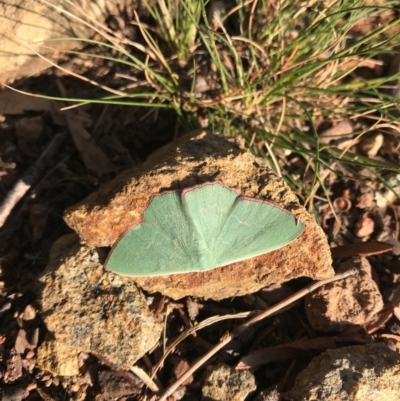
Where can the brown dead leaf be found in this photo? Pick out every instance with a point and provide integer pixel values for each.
(93, 157)
(294, 349)
(181, 366)
(115, 386)
(159, 304)
(12, 102)
(391, 339)
(396, 244)
(343, 128)
(361, 249)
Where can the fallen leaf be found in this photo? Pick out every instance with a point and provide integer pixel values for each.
(181, 366)
(93, 157)
(294, 350)
(392, 340)
(12, 102)
(361, 249)
(396, 245)
(114, 386)
(337, 131)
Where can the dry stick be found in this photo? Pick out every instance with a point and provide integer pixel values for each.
(193, 329)
(240, 329)
(31, 176)
(142, 375)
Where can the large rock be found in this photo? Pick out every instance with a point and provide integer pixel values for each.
(357, 373)
(345, 303)
(86, 308)
(101, 218)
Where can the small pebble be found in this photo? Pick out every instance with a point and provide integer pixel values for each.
(48, 383)
(75, 388)
(45, 377)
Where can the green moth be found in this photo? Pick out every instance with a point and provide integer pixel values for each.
(201, 228)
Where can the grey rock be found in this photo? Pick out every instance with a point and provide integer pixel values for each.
(356, 373)
(90, 309)
(224, 383)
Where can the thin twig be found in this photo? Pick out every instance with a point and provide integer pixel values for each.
(31, 176)
(142, 375)
(193, 329)
(240, 329)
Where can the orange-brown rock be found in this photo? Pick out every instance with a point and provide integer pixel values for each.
(200, 157)
(345, 303)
